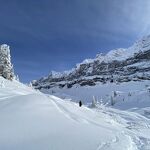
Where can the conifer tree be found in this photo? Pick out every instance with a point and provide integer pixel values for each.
(6, 68)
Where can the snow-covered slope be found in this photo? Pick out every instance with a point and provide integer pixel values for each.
(124, 96)
(30, 120)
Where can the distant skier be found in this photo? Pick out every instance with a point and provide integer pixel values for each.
(80, 103)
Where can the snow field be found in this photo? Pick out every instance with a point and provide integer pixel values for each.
(35, 121)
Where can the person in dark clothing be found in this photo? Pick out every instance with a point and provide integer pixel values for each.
(80, 103)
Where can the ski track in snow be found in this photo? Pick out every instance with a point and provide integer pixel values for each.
(110, 145)
(106, 145)
(73, 116)
(69, 114)
(132, 122)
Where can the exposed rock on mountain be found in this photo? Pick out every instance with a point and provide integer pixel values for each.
(121, 65)
(6, 68)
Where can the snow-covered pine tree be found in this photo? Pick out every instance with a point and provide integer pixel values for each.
(6, 68)
(94, 101)
(112, 101)
(112, 98)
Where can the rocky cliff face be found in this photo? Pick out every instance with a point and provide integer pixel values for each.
(121, 65)
(6, 68)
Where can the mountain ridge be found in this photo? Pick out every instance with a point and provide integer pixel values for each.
(119, 65)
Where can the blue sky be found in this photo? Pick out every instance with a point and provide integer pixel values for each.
(47, 35)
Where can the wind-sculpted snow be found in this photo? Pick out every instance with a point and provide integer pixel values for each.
(30, 120)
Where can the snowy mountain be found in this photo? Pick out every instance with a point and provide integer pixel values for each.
(31, 120)
(124, 70)
(121, 65)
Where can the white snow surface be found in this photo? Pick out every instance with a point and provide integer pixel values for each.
(30, 120)
(133, 94)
